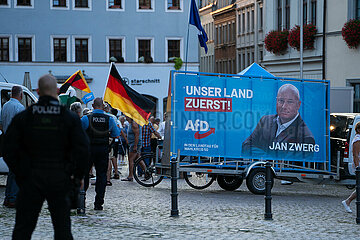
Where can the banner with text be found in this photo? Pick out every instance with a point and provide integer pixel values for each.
(242, 117)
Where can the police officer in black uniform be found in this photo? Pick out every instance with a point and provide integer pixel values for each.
(99, 126)
(47, 149)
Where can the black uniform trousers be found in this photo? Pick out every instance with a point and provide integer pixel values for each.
(99, 157)
(52, 185)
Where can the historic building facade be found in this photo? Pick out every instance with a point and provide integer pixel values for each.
(63, 36)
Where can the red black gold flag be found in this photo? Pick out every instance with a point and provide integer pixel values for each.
(126, 99)
(76, 80)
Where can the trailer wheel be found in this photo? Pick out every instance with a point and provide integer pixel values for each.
(229, 183)
(255, 181)
(350, 187)
(199, 180)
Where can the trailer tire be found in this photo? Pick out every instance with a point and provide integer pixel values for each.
(229, 183)
(350, 186)
(255, 181)
(199, 180)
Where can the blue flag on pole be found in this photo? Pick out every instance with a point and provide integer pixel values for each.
(88, 97)
(194, 19)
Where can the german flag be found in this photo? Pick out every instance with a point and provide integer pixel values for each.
(126, 99)
(76, 80)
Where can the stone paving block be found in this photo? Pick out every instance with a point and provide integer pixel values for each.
(300, 211)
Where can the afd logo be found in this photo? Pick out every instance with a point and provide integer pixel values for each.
(199, 126)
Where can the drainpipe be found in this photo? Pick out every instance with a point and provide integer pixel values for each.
(324, 43)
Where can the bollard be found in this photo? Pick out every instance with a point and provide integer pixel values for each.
(268, 214)
(174, 194)
(81, 208)
(357, 171)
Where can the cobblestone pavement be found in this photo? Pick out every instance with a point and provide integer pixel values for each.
(300, 211)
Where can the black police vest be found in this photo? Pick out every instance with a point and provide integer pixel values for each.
(98, 130)
(47, 138)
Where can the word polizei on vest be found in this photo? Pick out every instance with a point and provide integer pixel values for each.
(98, 119)
(46, 110)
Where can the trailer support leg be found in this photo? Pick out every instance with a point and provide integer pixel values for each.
(268, 214)
(357, 171)
(174, 194)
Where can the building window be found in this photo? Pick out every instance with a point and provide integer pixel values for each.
(81, 3)
(261, 18)
(60, 49)
(248, 21)
(173, 49)
(279, 14)
(233, 32)
(243, 22)
(357, 9)
(59, 3)
(225, 33)
(115, 4)
(144, 4)
(81, 50)
(23, 3)
(252, 19)
(287, 14)
(313, 12)
(305, 12)
(144, 49)
(215, 40)
(173, 4)
(4, 49)
(3, 2)
(24, 50)
(115, 49)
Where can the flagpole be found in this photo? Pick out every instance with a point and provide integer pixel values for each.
(187, 47)
(107, 80)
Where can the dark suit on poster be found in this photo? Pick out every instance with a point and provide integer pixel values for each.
(285, 145)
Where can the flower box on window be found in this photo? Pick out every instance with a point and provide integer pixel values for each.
(351, 33)
(308, 38)
(276, 42)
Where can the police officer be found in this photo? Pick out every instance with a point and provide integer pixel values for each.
(99, 126)
(47, 149)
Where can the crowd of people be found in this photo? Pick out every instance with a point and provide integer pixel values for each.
(49, 149)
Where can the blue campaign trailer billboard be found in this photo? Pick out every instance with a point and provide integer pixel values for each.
(249, 117)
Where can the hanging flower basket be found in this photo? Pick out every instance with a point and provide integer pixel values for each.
(351, 33)
(309, 36)
(276, 42)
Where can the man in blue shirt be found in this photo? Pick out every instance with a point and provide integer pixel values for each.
(9, 110)
(99, 126)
